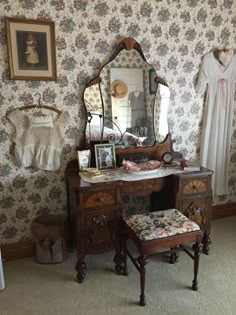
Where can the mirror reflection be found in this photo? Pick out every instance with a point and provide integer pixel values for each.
(128, 103)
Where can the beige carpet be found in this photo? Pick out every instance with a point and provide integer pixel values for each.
(34, 289)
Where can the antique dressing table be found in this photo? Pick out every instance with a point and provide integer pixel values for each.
(95, 208)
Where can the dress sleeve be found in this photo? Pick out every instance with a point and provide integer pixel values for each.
(13, 117)
(202, 77)
(16, 118)
(64, 120)
(130, 97)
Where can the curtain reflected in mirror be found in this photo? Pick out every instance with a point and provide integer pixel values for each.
(93, 103)
(161, 112)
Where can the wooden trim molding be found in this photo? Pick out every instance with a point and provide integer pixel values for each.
(225, 210)
(17, 250)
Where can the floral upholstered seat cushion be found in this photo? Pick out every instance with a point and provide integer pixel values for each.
(160, 224)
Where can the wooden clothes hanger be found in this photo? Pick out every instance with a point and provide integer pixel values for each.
(224, 55)
(39, 105)
(137, 89)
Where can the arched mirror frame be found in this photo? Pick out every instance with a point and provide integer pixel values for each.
(163, 146)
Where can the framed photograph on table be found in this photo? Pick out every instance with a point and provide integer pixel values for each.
(105, 156)
(31, 49)
(84, 158)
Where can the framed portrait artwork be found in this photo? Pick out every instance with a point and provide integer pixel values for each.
(105, 156)
(31, 49)
(152, 82)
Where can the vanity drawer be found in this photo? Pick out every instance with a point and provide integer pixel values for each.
(99, 198)
(195, 186)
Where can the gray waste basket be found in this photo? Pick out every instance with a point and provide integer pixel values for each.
(49, 236)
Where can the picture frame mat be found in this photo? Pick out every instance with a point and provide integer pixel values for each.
(32, 26)
(98, 151)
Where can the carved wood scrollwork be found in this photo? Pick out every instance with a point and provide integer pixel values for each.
(100, 221)
(195, 212)
(99, 232)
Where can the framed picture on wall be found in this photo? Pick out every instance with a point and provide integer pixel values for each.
(152, 82)
(105, 156)
(31, 49)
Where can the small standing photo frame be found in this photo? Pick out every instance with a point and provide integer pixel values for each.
(84, 158)
(31, 49)
(105, 156)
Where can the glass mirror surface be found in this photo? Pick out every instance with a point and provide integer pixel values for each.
(128, 103)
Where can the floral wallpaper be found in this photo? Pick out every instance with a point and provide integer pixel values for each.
(174, 35)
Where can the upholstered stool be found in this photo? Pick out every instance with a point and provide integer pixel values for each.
(168, 229)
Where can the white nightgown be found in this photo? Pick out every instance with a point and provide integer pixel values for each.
(218, 118)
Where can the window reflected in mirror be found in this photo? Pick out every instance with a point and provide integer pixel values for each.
(128, 102)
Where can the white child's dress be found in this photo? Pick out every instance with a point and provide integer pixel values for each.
(39, 143)
(218, 118)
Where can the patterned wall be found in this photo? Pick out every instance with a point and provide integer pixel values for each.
(174, 35)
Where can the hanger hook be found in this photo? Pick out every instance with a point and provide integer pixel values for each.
(39, 100)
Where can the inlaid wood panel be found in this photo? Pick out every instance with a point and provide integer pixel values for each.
(194, 186)
(99, 198)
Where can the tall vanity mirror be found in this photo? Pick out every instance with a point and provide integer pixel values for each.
(127, 102)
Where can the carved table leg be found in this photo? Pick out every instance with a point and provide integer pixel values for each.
(118, 260)
(80, 267)
(125, 270)
(196, 248)
(174, 256)
(142, 260)
(121, 255)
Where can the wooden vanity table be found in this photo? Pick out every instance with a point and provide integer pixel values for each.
(95, 209)
(124, 105)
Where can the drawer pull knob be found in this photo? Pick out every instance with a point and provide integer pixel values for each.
(100, 200)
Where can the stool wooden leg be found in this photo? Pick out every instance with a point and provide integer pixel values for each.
(196, 248)
(142, 260)
(206, 241)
